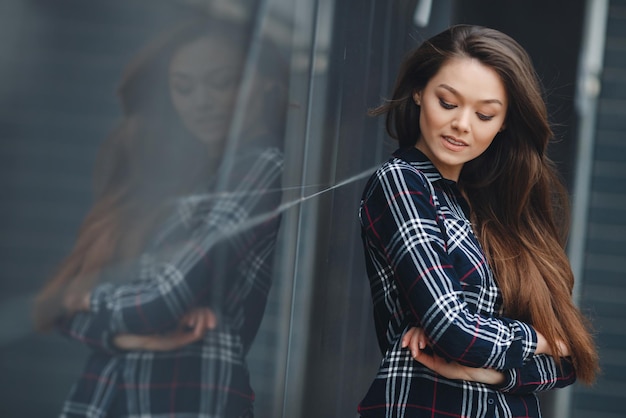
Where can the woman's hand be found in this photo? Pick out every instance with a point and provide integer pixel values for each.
(190, 329)
(415, 339)
(76, 301)
(544, 348)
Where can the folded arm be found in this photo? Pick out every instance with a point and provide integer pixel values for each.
(181, 273)
(540, 373)
(400, 217)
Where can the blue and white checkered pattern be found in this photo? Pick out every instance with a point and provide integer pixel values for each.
(427, 269)
(215, 251)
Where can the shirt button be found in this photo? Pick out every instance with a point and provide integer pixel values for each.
(490, 401)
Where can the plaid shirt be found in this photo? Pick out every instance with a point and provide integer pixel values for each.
(214, 252)
(426, 268)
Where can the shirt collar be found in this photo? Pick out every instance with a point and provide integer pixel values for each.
(420, 161)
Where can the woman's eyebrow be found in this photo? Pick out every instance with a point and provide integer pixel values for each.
(456, 93)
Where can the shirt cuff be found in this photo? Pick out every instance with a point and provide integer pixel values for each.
(529, 340)
(100, 300)
(510, 380)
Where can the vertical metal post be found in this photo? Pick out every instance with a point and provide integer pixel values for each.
(421, 16)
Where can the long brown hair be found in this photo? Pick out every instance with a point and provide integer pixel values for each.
(147, 160)
(519, 205)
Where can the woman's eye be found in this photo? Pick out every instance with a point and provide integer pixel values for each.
(183, 88)
(446, 105)
(224, 83)
(484, 117)
(224, 79)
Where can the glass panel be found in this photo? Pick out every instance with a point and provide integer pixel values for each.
(135, 141)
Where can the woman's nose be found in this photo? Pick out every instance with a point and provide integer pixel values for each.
(461, 122)
(201, 97)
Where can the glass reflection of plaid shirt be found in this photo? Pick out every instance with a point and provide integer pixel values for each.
(427, 269)
(214, 252)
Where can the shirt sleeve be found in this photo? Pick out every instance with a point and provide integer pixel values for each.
(83, 328)
(539, 374)
(181, 274)
(399, 213)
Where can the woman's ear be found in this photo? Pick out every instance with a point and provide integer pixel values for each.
(502, 128)
(417, 97)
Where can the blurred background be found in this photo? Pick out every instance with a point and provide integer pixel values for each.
(315, 354)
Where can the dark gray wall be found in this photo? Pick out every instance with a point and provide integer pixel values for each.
(604, 284)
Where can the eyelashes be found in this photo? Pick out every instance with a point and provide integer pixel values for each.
(446, 105)
(218, 82)
(449, 106)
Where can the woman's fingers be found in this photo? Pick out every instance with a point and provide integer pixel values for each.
(414, 339)
(422, 340)
(76, 301)
(198, 318)
(563, 349)
(208, 318)
(211, 319)
(406, 338)
(440, 366)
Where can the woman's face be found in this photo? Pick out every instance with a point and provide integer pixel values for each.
(463, 107)
(203, 79)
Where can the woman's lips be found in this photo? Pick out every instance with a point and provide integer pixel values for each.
(453, 143)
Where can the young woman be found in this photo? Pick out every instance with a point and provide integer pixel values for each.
(169, 277)
(464, 231)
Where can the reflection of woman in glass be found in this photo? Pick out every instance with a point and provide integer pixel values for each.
(168, 280)
(463, 235)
